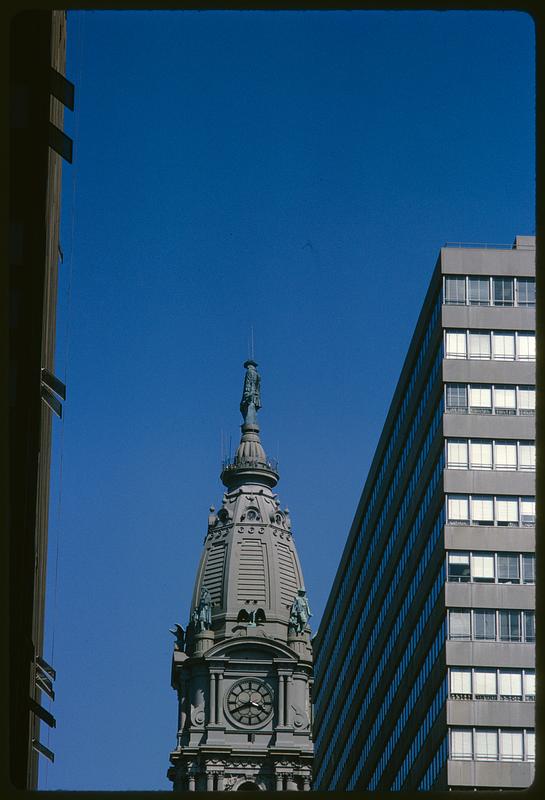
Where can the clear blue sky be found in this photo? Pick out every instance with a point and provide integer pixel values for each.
(294, 171)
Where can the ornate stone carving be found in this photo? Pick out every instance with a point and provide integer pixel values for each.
(179, 633)
(300, 717)
(202, 613)
(197, 716)
(299, 612)
(251, 397)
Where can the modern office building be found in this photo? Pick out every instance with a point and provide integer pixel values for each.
(39, 92)
(424, 660)
(243, 668)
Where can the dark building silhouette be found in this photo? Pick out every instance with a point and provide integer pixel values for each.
(38, 93)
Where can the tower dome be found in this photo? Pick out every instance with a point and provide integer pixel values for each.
(243, 669)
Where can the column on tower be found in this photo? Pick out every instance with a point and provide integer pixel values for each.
(219, 716)
(281, 700)
(212, 714)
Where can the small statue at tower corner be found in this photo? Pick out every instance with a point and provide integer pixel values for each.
(251, 398)
(179, 633)
(202, 614)
(299, 612)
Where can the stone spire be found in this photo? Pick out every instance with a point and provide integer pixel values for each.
(250, 462)
(243, 669)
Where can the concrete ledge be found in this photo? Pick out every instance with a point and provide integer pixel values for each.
(492, 713)
(490, 654)
(492, 774)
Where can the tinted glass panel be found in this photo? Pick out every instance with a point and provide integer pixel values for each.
(529, 626)
(510, 626)
(526, 292)
(458, 567)
(456, 395)
(455, 290)
(484, 622)
(502, 291)
(529, 568)
(479, 291)
(508, 568)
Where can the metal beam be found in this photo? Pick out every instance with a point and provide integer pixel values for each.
(45, 751)
(44, 715)
(53, 383)
(53, 402)
(60, 142)
(61, 88)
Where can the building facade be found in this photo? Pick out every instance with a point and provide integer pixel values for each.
(39, 93)
(425, 657)
(242, 669)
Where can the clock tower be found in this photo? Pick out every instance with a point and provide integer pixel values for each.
(242, 669)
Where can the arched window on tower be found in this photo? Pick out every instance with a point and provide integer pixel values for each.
(253, 617)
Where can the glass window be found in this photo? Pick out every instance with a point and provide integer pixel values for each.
(503, 344)
(457, 395)
(458, 567)
(479, 344)
(456, 344)
(529, 683)
(486, 744)
(484, 624)
(461, 743)
(455, 290)
(482, 510)
(526, 346)
(527, 399)
(531, 745)
(459, 624)
(511, 745)
(527, 455)
(529, 626)
(457, 453)
(528, 511)
(504, 400)
(510, 683)
(458, 508)
(526, 291)
(460, 682)
(481, 454)
(507, 512)
(482, 567)
(502, 291)
(510, 626)
(528, 568)
(485, 683)
(505, 455)
(479, 291)
(480, 398)
(508, 568)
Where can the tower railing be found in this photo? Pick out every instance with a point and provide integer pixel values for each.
(235, 462)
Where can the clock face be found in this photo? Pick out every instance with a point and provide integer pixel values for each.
(250, 702)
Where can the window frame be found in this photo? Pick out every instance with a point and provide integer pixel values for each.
(482, 281)
(458, 280)
(525, 281)
(502, 282)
